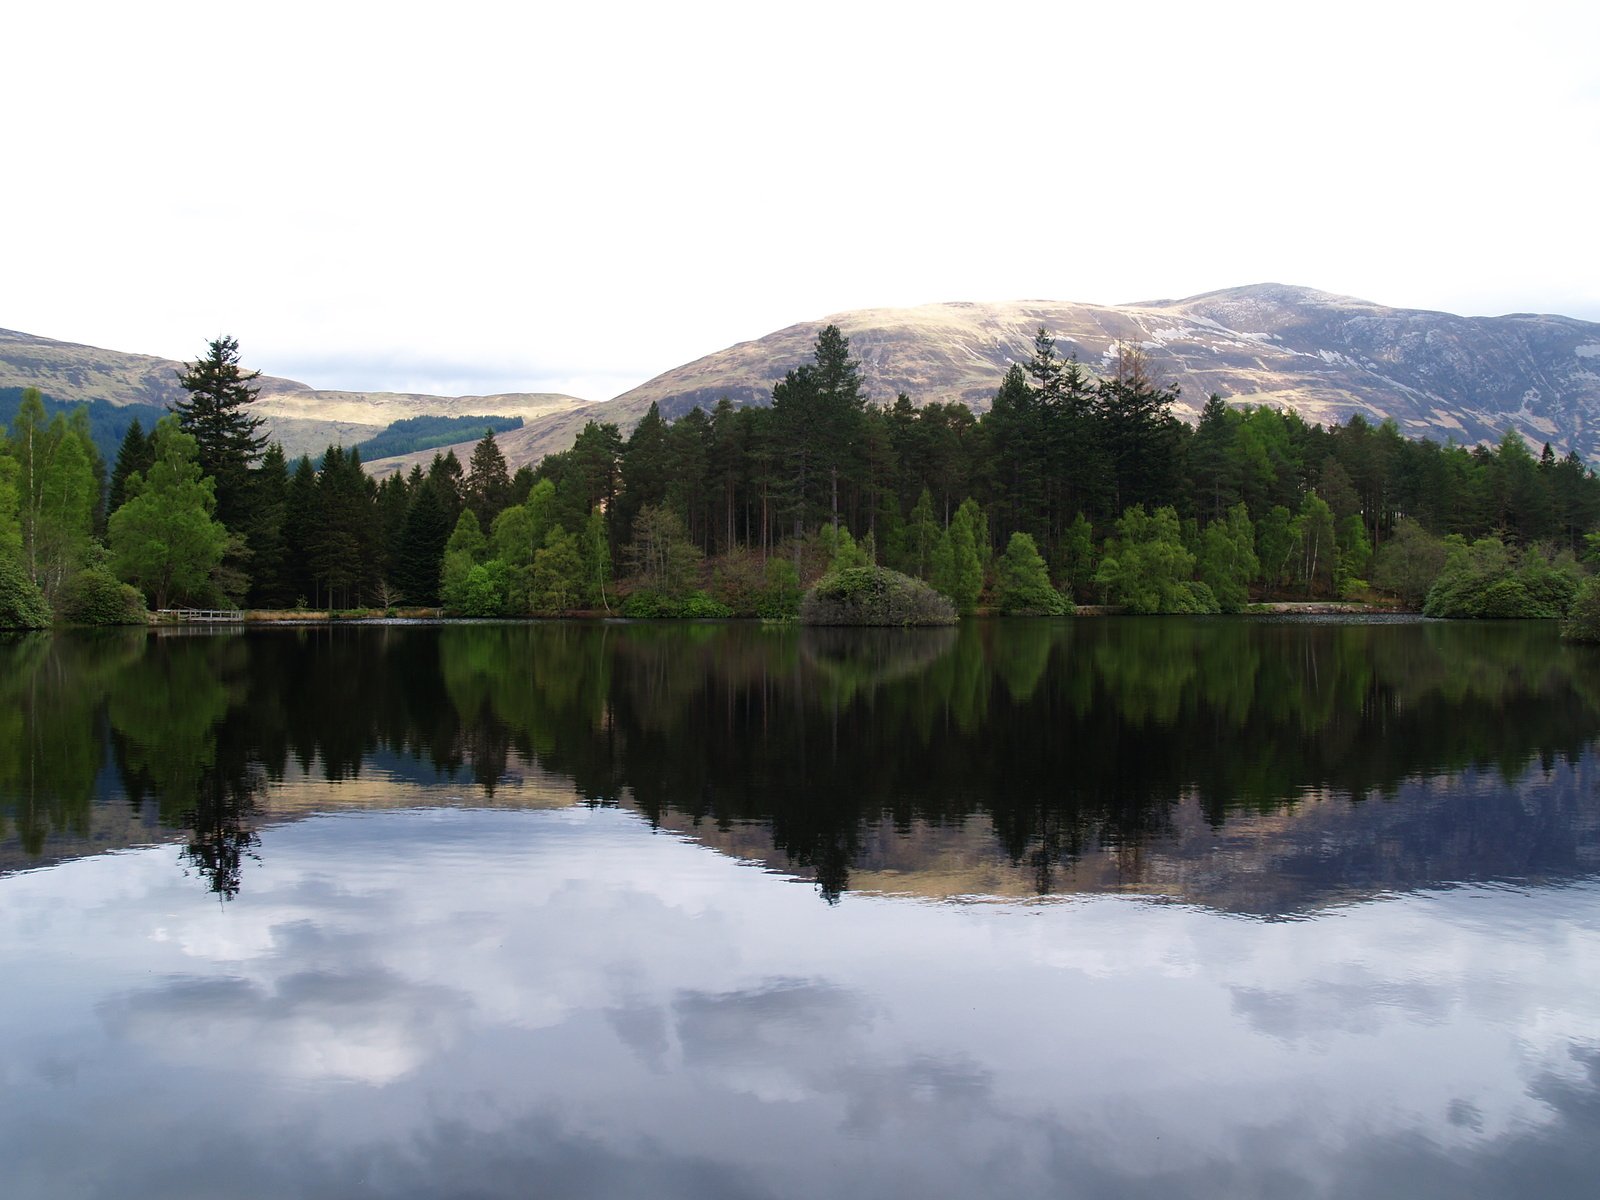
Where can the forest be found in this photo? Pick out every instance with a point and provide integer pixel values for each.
(1072, 488)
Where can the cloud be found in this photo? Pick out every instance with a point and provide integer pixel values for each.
(364, 1025)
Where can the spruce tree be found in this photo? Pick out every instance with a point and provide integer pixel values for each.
(487, 488)
(216, 415)
(137, 453)
(270, 584)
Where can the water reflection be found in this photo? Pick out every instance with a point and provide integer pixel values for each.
(1253, 766)
(498, 1003)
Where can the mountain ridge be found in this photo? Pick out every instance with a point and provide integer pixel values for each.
(1327, 356)
(304, 418)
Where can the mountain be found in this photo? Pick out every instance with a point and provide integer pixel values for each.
(1328, 357)
(303, 419)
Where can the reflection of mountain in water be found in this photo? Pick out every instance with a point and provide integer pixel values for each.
(1253, 766)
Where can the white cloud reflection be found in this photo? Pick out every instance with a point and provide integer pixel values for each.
(486, 998)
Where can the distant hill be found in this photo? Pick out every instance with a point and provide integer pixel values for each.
(304, 419)
(1328, 357)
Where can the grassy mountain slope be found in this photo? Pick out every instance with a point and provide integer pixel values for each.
(304, 419)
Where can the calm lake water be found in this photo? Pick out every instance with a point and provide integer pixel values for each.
(1154, 907)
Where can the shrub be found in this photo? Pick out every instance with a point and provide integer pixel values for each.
(698, 605)
(780, 597)
(22, 604)
(1483, 579)
(649, 605)
(97, 597)
(874, 596)
(1583, 618)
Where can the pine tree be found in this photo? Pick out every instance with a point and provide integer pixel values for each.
(216, 415)
(487, 488)
(270, 583)
(427, 529)
(137, 453)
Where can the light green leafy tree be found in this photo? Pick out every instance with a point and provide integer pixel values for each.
(1227, 560)
(164, 539)
(921, 537)
(1022, 581)
(1147, 568)
(1355, 553)
(1409, 562)
(467, 548)
(558, 573)
(957, 567)
(1276, 542)
(56, 492)
(596, 548)
(1319, 556)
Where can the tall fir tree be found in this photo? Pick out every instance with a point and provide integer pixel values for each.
(487, 487)
(137, 453)
(216, 414)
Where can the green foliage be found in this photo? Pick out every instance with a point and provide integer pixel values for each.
(649, 605)
(227, 437)
(700, 606)
(1077, 558)
(164, 540)
(1147, 569)
(1276, 540)
(921, 537)
(780, 599)
(1409, 562)
(1022, 582)
(663, 558)
(107, 423)
(56, 492)
(1487, 579)
(1319, 559)
(414, 434)
(487, 487)
(464, 551)
(874, 596)
(1583, 617)
(843, 551)
(595, 546)
(957, 566)
(483, 591)
(1227, 560)
(94, 596)
(22, 604)
(558, 573)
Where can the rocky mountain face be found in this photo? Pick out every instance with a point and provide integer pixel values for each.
(304, 419)
(1328, 357)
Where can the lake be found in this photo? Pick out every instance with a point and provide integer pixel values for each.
(1109, 907)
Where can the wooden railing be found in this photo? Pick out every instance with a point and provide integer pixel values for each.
(198, 616)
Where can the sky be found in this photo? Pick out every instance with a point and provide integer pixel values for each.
(471, 198)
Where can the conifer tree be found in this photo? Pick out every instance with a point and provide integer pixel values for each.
(216, 414)
(487, 487)
(137, 453)
(270, 584)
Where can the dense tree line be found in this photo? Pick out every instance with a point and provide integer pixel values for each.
(1071, 487)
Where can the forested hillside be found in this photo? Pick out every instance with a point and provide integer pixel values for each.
(1071, 486)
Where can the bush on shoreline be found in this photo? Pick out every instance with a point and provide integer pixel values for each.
(874, 596)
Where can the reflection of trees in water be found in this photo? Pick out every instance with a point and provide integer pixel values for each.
(1065, 737)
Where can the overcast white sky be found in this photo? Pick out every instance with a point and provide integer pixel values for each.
(460, 197)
